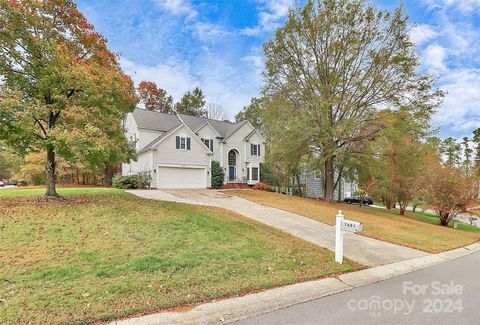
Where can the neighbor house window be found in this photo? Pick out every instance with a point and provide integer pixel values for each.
(208, 143)
(182, 143)
(254, 173)
(255, 149)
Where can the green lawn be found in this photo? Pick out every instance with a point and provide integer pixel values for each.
(426, 217)
(410, 230)
(112, 255)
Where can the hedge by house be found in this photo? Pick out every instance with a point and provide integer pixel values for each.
(136, 181)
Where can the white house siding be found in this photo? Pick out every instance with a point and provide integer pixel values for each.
(131, 129)
(165, 153)
(146, 136)
(237, 141)
(143, 164)
(315, 187)
(208, 133)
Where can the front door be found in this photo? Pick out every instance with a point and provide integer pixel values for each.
(231, 173)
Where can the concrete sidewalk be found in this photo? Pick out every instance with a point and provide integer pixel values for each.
(364, 250)
(234, 309)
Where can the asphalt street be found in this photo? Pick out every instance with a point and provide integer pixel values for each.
(447, 293)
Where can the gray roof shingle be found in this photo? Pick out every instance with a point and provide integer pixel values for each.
(155, 120)
(164, 122)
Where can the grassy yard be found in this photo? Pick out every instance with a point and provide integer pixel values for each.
(412, 230)
(111, 254)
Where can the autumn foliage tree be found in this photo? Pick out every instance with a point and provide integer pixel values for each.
(63, 91)
(447, 191)
(154, 98)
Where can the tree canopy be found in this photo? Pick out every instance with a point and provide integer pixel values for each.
(332, 67)
(154, 98)
(63, 92)
(192, 103)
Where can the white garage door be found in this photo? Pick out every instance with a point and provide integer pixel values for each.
(181, 177)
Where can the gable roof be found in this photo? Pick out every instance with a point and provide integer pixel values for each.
(165, 135)
(254, 131)
(165, 122)
(155, 120)
(195, 122)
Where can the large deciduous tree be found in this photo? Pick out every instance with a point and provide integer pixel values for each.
(154, 98)
(192, 103)
(333, 66)
(63, 91)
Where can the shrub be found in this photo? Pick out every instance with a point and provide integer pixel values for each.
(39, 179)
(261, 186)
(136, 181)
(217, 175)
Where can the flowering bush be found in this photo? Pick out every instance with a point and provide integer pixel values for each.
(261, 186)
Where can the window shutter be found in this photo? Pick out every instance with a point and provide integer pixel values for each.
(211, 145)
(178, 141)
(259, 150)
(188, 143)
(251, 149)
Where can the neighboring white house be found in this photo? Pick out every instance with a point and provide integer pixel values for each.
(312, 184)
(178, 149)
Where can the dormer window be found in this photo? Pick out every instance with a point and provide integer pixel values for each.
(208, 143)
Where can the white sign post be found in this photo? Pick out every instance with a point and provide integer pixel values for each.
(342, 225)
(339, 238)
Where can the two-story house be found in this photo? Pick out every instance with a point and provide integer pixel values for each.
(178, 149)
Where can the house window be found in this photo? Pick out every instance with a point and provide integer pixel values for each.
(182, 143)
(317, 174)
(255, 149)
(254, 173)
(208, 143)
(232, 158)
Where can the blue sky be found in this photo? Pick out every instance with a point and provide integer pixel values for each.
(217, 46)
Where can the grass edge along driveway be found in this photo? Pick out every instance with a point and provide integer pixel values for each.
(111, 254)
(411, 231)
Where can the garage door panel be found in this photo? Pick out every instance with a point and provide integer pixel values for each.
(181, 177)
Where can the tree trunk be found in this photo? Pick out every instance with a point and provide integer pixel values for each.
(444, 219)
(108, 175)
(388, 204)
(329, 179)
(402, 210)
(299, 187)
(414, 209)
(50, 171)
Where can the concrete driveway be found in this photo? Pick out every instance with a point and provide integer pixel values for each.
(364, 250)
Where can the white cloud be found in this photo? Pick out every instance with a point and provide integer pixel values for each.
(231, 86)
(174, 77)
(209, 32)
(422, 33)
(178, 8)
(466, 6)
(434, 58)
(270, 15)
(274, 11)
(459, 113)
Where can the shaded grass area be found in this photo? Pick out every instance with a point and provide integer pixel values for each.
(426, 217)
(412, 231)
(115, 255)
(67, 191)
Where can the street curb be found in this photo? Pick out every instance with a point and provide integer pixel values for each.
(234, 309)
